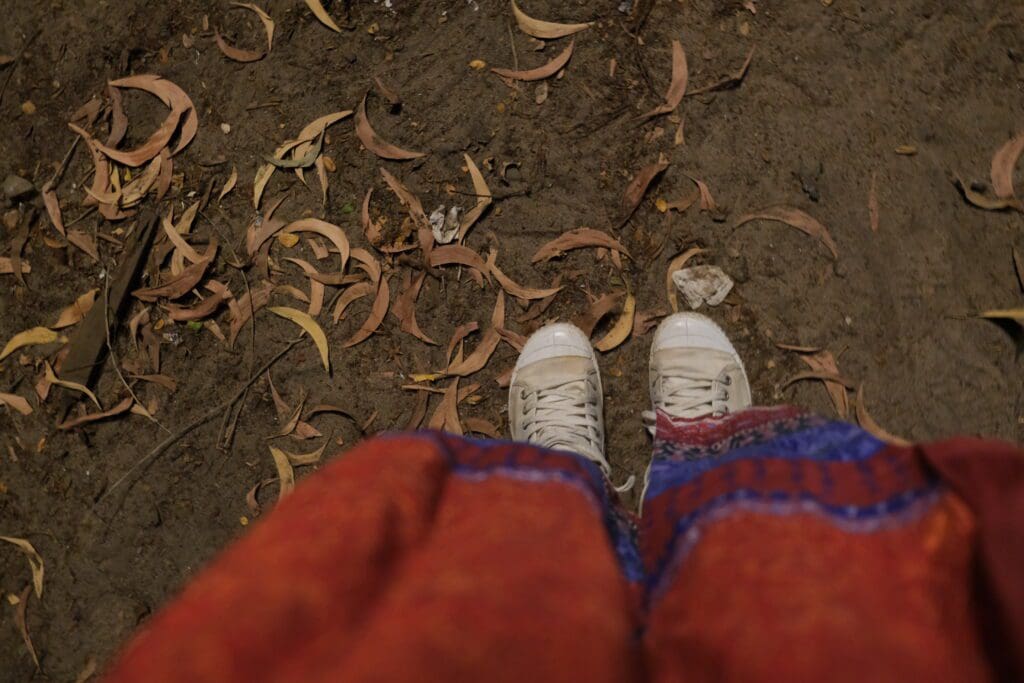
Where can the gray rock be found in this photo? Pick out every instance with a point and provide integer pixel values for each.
(16, 187)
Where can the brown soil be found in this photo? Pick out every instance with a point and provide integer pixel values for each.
(831, 92)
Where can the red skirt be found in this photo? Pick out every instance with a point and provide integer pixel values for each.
(772, 545)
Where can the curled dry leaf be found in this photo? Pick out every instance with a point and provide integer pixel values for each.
(577, 239)
(299, 459)
(180, 105)
(544, 29)
(268, 23)
(332, 232)
(823, 361)
(243, 308)
(310, 326)
(707, 202)
(229, 184)
(511, 287)
(85, 242)
(478, 425)
(488, 343)
(74, 386)
(821, 376)
(76, 311)
(20, 622)
(373, 142)
(52, 204)
(376, 317)
(316, 289)
(408, 200)
(483, 198)
(16, 403)
(1003, 163)
(677, 264)
(731, 81)
(677, 88)
(985, 202)
(353, 293)
(121, 408)
(622, 328)
(31, 337)
(541, 72)
(794, 218)
(181, 284)
(446, 416)
(203, 309)
(460, 333)
(636, 190)
(285, 473)
(236, 53)
(596, 312)
(35, 561)
(457, 254)
(865, 420)
(405, 307)
(321, 14)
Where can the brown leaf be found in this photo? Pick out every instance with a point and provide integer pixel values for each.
(35, 561)
(676, 264)
(1018, 264)
(794, 218)
(984, 202)
(544, 29)
(405, 307)
(798, 348)
(457, 254)
(419, 411)
(30, 337)
(596, 312)
(285, 473)
(707, 202)
(478, 425)
(19, 621)
(373, 142)
(85, 242)
(622, 328)
(446, 416)
(483, 198)
(645, 321)
(731, 81)
(577, 239)
(824, 362)
(268, 23)
(408, 199)
(677, 88)
(182, 284)
(180, 105)
(541, 72)
(516, 290)
(353, 293)
(16, 403)
(636, 190)
(1003, 163)
(119, 409)
(235, 53)
(203, 309)
(865, 420)
(321, 14)
(163, 380)
(460, 333)
(229, 184)
(873, 211)
(52, 205)
(7, 267)
(822, 376)
(76, 311)
(316, 289)
(488, 343)
(376, 317)
(245, 306)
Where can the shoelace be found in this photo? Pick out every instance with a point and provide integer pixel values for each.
(689, 397)
(559, 416)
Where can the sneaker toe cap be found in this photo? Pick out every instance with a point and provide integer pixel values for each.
(555, 341)
(690, 330)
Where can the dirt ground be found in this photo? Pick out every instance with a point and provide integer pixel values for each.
(833, 89)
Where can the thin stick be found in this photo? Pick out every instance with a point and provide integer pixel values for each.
(199, 421)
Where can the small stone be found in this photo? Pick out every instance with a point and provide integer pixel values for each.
(225, 128)
(28, 108)
(16, 187)
(702, 285)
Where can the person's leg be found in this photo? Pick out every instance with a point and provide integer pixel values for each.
(781, 546)
(424, 557)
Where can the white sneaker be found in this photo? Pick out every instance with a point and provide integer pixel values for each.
(555, 398)
(695, 370)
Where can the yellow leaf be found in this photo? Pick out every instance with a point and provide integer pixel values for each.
(321, 14)
(307, 323)
(906, 150)
(1016, 314)
(16, 402)
(77, 310)
(34, 561)
(36, 335)
(287, 239)
(661, 205)
(477, 64)
(74, 386)
(621, 329)
(284, 472)
(431, 377)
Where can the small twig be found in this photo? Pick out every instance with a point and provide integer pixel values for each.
(113, 354)
(88, 212)
(199, 421)
(52, 183)
(515, 55)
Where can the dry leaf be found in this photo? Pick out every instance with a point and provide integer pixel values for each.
(376, 317)
(405, 307)
(30, 337)
(372, 230)
(35, 562)
(984, 202)
(121, 408)
(74, 386)
(203, 309)
(229, 185)
(541, 72)
(794, 218)
(268, 23)
(731, 81)
(677, 264)
(821, 376)
(321, 14)
(76, 311)
(825, 362)
(457, 254)
(865, 420)
(353, 293)
(483, 198)
(1003, 163)
(332, 232)
(408, 200)
(7, 268)
(446, 416)
(488, 343)
(316, 289)
(516, 290)
(906, 150)
(478, 425)
(299, 459)
(19, 620)
(577, 239)
(235, 53)
(180, 105)
(1016, 314)
(310, 326)
(636, 190)
(183, 283)
(16, 403)
(52, 205)
(460, 333)
(676, 89)
(873, 212)
(596, 312)
(373, 142)
(84, 242)
(544, 29)
(285, 473)
(621, 329)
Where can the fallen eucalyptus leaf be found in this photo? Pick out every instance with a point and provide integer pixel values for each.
(794, 218)
(31, 337)
(541, 72)
(307, 323)
(74, 386)
(321, 14)
(544, 29)
(16, 403)
(374, 143)
(377, 313)
(622, 328)
(1003, 163)
(865, 420)
(285, 473)
(76, 311)
(577, 239)
(122, 407)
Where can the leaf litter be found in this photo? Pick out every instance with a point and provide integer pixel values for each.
(540, 73)
(311, 327)
(374, 143)
(677, 87)
(795, 218)
(547, 30)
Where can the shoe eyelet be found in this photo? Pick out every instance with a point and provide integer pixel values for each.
(728, 380)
